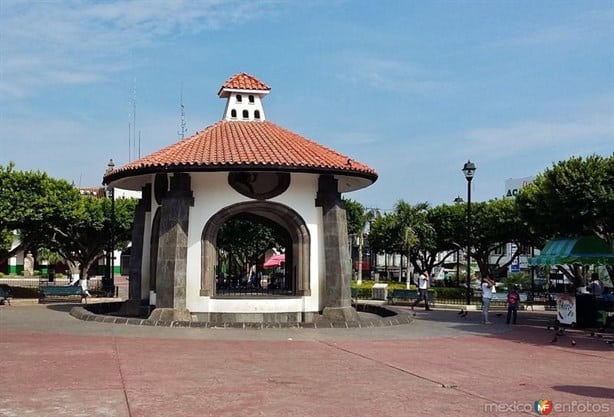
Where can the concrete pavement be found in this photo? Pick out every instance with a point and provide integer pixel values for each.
(439, 365)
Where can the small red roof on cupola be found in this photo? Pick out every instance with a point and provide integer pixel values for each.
(243, 81)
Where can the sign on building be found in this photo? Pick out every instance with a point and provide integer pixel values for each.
(514, 185)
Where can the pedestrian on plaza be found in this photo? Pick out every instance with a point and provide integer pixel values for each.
(513, 300)
(423, 289)
(488, 286)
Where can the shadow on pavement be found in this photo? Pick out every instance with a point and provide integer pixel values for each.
(532, 328)
(586, 390)
(65, 307)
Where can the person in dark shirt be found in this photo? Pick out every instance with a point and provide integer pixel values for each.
(513, 300)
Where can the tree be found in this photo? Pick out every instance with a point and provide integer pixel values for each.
(246, 238)
(30, 202)
(356, 216)
(357, 219)
(413, 231)
(430, 229)
(84, 234)
(382, 234)
(494, 224)
(573, 198)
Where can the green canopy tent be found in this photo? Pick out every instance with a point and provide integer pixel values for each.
(587, 250)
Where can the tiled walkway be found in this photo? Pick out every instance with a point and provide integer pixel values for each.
(54, 365)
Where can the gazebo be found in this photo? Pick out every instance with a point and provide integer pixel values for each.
(241, 165)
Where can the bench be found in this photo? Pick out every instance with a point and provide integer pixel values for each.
(500, 299)
(408, 295)
(47, 291)
(5, 294)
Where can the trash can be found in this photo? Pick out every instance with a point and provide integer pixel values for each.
(379, 292)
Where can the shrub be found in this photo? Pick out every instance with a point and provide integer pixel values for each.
(450, 293)
(520, 279)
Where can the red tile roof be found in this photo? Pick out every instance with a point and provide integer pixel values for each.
(244, 81)
(239, 145)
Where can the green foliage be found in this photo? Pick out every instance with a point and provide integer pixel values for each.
(494, 224)
(520, 279)
(356, 216)
(32, 203)
(450, 293)
(245, 239)
(53, 219)
(418, 231)
(572, 198)
(84, 234)
(381, 234)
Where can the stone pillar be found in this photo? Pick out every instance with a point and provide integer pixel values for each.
(171, 266)
(136, 252)
(337, 298)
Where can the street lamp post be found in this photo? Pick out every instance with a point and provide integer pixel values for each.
(469, 171)
(458, 200)
(110, 282)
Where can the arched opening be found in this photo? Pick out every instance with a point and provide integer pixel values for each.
(245, 114)
(291, 230)
(250, 99)
(233, 113)
(239, 98)
(251, 257)
(257, 114)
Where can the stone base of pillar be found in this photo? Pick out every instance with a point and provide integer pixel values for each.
(170, 314)
(130, 308)
(340, 314)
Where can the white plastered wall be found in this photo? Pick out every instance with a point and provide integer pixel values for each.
(212, 194)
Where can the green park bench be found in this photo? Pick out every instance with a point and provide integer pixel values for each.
(60, 291)
(408, 295)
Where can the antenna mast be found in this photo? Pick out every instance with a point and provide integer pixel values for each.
(182, 124)
(134, 117)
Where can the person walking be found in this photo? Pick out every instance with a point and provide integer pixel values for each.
(513, 299)
(423, 288)
(487, 289)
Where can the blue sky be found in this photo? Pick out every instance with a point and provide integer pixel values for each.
(411, 88)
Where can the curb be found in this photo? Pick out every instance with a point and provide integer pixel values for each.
(390, 318)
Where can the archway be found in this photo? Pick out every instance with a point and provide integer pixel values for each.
(243, 243)
(285, 217)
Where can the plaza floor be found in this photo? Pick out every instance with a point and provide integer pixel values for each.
(53, 365)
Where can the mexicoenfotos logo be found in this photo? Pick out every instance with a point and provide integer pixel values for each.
(546, 407)
(543, 407)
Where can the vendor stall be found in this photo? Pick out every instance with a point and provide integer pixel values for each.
(576, 309)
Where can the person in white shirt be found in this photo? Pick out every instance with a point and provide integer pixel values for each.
(488, 286)
(423, 288)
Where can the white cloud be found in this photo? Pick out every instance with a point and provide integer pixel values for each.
(391, 75)
(69, 42)
(530, 136)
